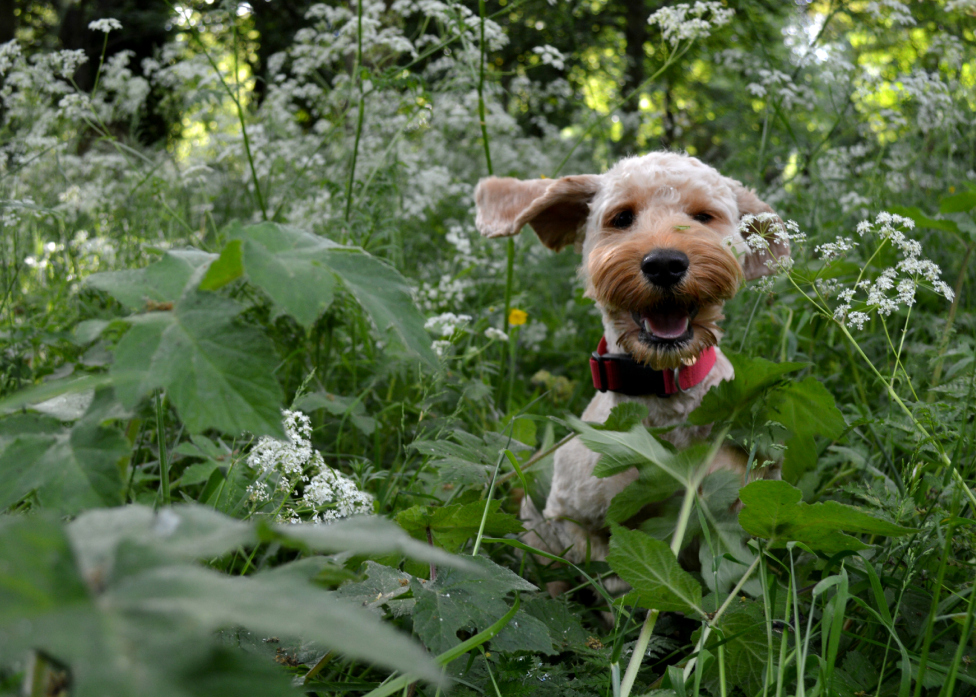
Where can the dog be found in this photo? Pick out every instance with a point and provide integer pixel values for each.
(662, 251)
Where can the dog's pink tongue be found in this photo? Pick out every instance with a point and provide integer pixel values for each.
(666, 324)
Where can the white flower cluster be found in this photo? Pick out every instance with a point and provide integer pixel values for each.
(771, 229)
(105, 25)
(327, 495)
(894, 286)
(684, 22)
(446, 323)
(550, 55)
(496, 334)
(790, 94)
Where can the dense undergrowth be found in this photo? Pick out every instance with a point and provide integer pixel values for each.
(269, 402)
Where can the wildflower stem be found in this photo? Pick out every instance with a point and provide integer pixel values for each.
(691, 491)
(361, 110)
(161, 444)
(951, 318)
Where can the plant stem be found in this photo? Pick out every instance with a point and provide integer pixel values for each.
(359, 117)
(161, 444)
(951, 318)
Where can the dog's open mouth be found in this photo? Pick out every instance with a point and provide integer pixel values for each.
(666, 324)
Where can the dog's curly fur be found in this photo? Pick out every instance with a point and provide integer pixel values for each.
(669, 201)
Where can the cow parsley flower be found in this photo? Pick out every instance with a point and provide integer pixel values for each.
(684, 22)
(496, 334)
(550, 55)
(327, 495)
(446, 323)
(105, 25)
(895, 286)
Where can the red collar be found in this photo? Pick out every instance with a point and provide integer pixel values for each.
(619, 372)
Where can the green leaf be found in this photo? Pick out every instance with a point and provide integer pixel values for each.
(624, 417)
(651, 569)
(291, 266)
(807, 408)
(753, 376)
(958, 203)
(773, 511)
(228, 267)
(122, 578)
(923, 220)
(382, 587)
(621, 451)
(217, 373)
(298, 271)
(655, 483)
(338, 406)
(161, 282)
(452, 526)
(563, 622)
(746, 652)
(385, 296)
(70, 469)
(461, 599)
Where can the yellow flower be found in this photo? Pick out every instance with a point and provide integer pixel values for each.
(952, 189)
(517, 317)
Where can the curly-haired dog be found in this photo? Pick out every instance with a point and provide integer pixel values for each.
(662, 252)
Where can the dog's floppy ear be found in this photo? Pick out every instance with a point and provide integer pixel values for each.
(555, 208)
(754, 263)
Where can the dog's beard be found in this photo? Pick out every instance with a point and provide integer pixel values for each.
(664, 328)
(636, 334)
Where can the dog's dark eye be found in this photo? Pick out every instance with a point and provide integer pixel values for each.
(703, 217)
(623, 219)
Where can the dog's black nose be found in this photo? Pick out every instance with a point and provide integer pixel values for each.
(665, 267)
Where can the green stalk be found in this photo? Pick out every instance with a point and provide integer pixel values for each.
(359, 117)
(161, 443)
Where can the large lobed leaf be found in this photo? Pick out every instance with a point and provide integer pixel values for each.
(217, 373)
(774, 511)
(115, 597)
(68, 469)
(299, 271)
(651, 569)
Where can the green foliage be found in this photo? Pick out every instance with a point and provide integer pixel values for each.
(649, 566)
(774, 511)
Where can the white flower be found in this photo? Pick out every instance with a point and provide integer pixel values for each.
(105, 25)
(857, 319)
(440, 347)
(550, 56)
(496, 334)
(338, 495)
(683, 22)
(446, 323)
(831, 250)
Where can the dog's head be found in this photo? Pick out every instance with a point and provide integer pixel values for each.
(662, 250)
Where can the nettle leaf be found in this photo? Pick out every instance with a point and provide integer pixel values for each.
(621, 451)
(657, 579)
(125, 577)
(923, 220)
(746, 652)
(69, 469)
(655, 482)
(382, 588)
(774, 511)
(338, 406)
(767, 396)
(958, 203)
(217, 373)
(159, 283)
(563, 622)
(467, 458)
(624, 417)
(474, 600)
(753, 376)
(452, 526)
(299, 272)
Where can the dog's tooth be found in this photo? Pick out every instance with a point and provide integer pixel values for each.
(647, 325)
